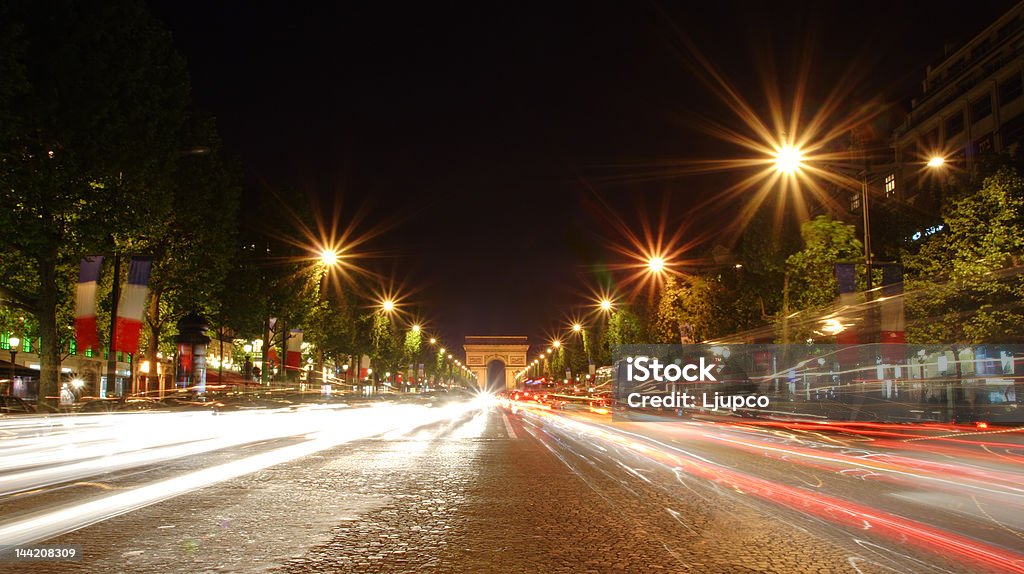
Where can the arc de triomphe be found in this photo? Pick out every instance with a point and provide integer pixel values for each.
(510, 351)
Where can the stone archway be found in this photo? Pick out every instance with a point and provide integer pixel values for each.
(496, 373)
(509, 350)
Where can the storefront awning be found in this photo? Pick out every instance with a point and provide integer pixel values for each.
(20, 371)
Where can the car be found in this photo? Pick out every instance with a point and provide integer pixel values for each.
(15, 405)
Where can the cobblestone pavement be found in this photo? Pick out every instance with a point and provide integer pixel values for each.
(489, 492)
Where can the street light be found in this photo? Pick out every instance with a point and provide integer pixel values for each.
(387, 305)
(788, 159)
(433, 341)
(656, 264)
(13, 343)
(577, 327)
(606, 304)
(415, 328)
(329, 257)
(247, 366)
(556, 343)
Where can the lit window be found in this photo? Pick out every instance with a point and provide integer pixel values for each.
(890, 185)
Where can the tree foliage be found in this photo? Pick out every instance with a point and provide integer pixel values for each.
(624, 328)
(93, 100)
(965, 284)
(812, 281)
(693, 309)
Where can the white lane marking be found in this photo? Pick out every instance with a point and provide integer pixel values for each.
(508, 426)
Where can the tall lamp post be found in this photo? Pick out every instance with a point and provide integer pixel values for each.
(328, 260)
(606, 307)
(13, 343)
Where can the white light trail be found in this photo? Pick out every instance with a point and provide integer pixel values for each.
(322, 429)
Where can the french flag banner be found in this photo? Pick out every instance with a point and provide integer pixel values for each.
(893, 323)
(846, 281)
(293, 358)
(132, 306)
(85, 304)
(364, 367)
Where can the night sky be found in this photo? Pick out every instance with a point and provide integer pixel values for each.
(490, 136)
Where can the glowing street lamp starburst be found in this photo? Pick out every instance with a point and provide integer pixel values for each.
(387, 305)
(652, 252)
(936, 161)
(792, 155)
(788, 159)
(656, 264)
(329, 257)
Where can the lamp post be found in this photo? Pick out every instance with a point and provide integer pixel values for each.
(13, 343)
(789, 161)
(247, 368)
(606, 307)
(328, 259)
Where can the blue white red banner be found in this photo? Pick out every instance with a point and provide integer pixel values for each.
(293, 358)
(132, 306)
(85, 304)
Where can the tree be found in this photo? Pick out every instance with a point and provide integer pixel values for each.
(271, 276)
(558, 362)
(758, 283)
(812, 281)
(411, 348)
(624, 328)
(962, 284)
(386, 347)
(193, 244)
(334, 327)
(693, 309)
(93, 99)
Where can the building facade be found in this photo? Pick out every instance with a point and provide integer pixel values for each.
(971, 105)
